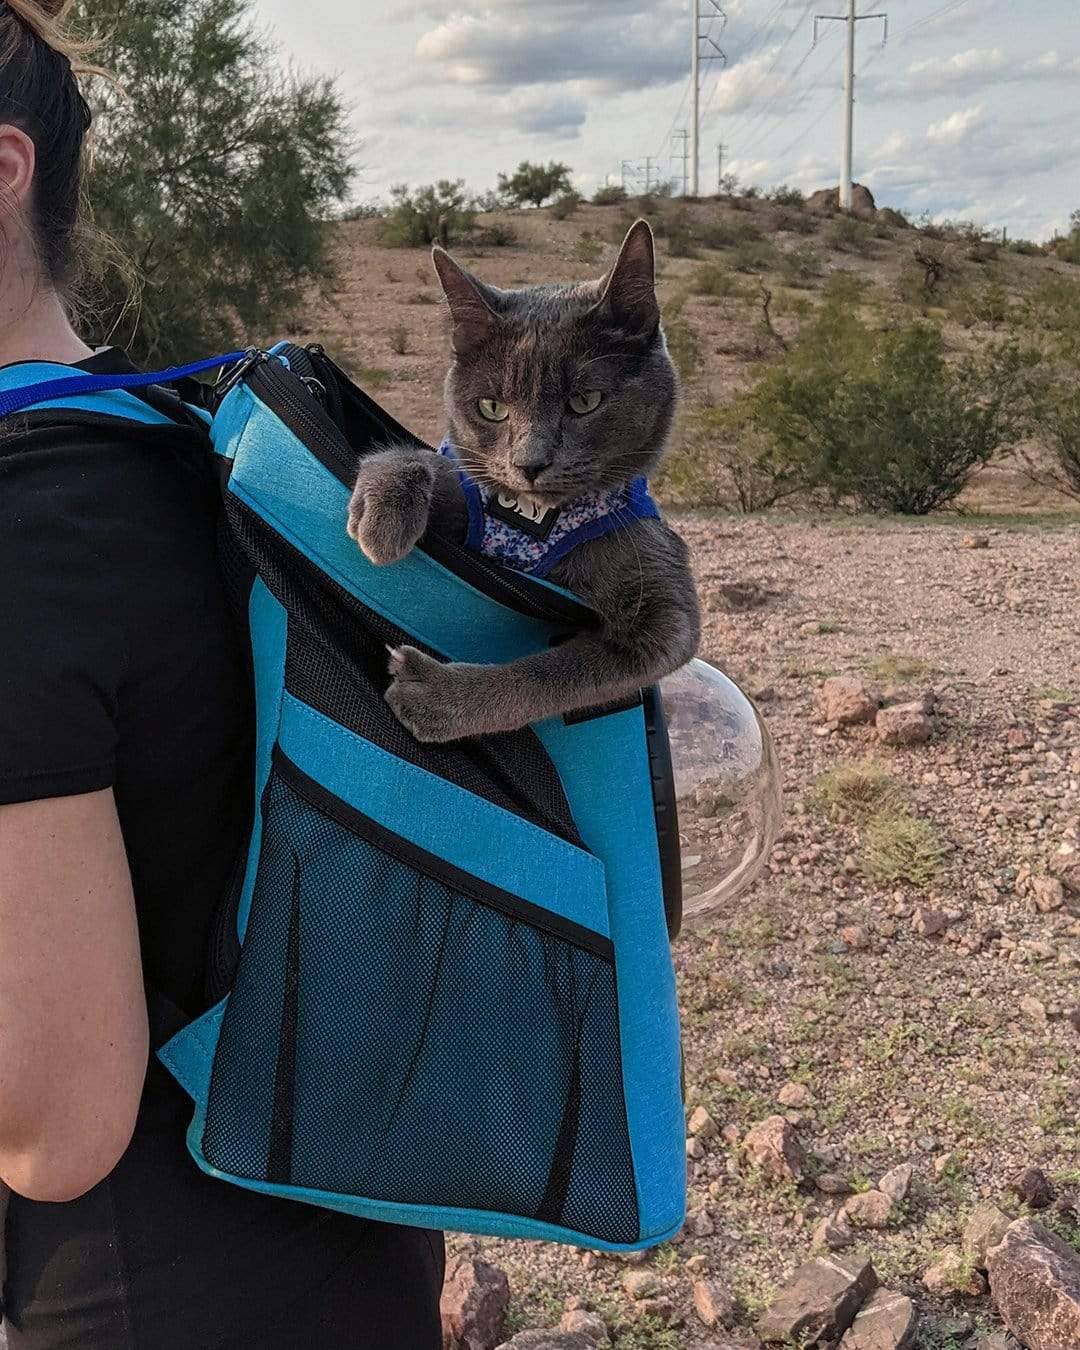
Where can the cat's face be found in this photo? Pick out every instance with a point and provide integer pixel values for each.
(558, 390)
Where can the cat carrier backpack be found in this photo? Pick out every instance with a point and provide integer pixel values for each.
(442, 983)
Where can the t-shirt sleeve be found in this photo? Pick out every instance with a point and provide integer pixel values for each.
(63, 644)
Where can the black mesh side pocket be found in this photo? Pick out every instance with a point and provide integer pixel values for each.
(401, 1031)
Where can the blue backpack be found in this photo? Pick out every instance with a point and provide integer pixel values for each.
(442, 982)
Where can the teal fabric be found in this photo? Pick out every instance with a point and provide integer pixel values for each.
(438, 816)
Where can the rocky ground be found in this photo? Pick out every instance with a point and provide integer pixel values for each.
(844, 1024)
(900, 991)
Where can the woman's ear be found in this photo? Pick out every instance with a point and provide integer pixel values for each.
(472, 319)
(17, 161)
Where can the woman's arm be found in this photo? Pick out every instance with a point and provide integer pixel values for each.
(73, 1026)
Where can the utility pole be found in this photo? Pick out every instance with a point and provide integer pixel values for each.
(851, 19)
(680, 153)
(719, 168)
(704, 48)
(648, 173)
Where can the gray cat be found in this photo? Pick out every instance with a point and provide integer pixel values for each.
(559, 399)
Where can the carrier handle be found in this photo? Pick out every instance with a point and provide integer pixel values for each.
(67, 386)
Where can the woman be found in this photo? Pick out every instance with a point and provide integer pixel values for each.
(125, 741)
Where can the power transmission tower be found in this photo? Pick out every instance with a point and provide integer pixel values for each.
(851, 19)
(680, 153)
(703, 50)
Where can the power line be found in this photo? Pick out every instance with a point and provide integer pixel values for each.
(847, 150)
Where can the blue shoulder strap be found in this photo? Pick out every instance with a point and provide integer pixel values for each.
(70, 386)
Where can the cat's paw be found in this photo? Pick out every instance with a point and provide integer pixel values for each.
(389, 509)
(422, 696)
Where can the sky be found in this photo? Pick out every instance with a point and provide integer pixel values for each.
(970, 111)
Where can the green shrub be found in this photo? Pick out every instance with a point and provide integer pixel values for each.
(496, 235)
(717, 234)
(801, 266)
(1027, 248)
(715, 280)
(720, 460)
(565, 205)
(588, 248)
(788, 220)
(881, 418)
(611, 194)
(1055, 422)
(986, 303)
(437, 213)
(846, 234)
(681, 237)
(753, 256)
(786, 196)
(534, 184)
(682, 340)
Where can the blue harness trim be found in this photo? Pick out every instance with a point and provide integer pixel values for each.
(534, 543)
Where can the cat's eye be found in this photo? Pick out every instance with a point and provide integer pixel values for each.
(583, 404)
(492, 410)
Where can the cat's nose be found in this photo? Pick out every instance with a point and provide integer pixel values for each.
(533, 471)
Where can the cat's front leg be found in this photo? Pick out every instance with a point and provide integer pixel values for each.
(391, 502)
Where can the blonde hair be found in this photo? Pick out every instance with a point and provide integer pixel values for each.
(46, 20)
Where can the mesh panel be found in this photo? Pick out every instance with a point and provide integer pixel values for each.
(391, 1038)
(338, 664)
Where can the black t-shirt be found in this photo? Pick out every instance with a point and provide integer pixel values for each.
(121, 666)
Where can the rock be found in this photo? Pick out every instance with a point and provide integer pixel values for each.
(833, 1235)
(773, 1148)
(826, 202)
(1000, 1340)
(714, 1303)
(856, 937)
(951, 1330)
(547, 1340)
(658, 1309)
(736, 595)
(640, 1283)
(897, 1183)
(587, 1324)
(845, 700)
(832, 1183)
(985, 1228)
(1048, 894)
(702, 1125)
(886, 1321)
(953, 1273)
(819, 1302)
(475, 1299)
(794, 1095)
(904, 724)
(885, 215)
(1035, 1280)
(975, 541)
(871, 1209)
(1033, 1187)
(700, 1224)
(1034, 1011)
(929, 922)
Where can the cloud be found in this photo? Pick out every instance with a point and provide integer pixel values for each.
(972, 70)
(562, 116)
(957, 127)
(514, 44)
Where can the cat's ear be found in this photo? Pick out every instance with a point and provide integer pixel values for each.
(629, 290)
(472, 319)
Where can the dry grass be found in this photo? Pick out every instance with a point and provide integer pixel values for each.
(901, 847)
(857, 791)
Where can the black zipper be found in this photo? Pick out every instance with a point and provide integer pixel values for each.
(304, 415)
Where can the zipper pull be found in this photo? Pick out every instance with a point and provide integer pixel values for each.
(252, 357)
